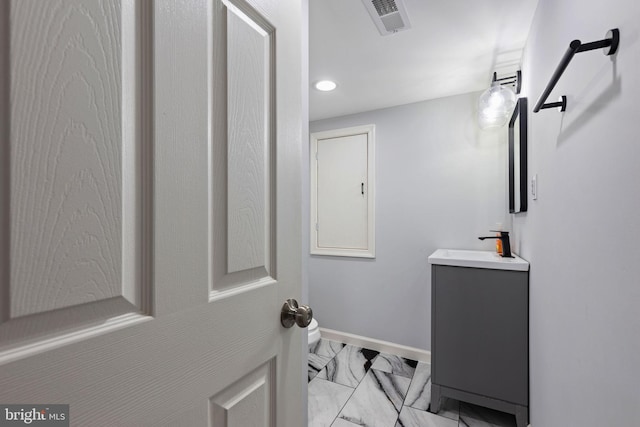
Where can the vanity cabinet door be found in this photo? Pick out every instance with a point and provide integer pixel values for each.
(480, 331)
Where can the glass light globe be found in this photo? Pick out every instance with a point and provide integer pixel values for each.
(495, 106)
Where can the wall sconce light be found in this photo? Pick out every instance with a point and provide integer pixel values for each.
(496, 104)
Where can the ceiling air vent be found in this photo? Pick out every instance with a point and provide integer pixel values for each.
(390, 16)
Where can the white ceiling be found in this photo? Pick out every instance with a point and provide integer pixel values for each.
(452, 47)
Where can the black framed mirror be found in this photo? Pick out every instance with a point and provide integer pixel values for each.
(518, 158)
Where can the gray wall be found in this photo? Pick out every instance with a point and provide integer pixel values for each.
(582, 235)
(440, 183)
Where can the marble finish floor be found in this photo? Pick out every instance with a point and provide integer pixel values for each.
(353, 386)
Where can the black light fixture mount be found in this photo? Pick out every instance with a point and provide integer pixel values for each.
(515, 80)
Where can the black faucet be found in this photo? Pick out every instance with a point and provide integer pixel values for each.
(504, 238)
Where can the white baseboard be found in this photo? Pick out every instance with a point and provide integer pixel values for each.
(378, 345)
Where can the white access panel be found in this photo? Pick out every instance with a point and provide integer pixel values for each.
(342, 193)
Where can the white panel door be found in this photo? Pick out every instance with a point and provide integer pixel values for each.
(343, 192)
(342, 208)
(150, 210)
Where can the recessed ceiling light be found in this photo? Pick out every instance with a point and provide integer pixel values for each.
(325, 85)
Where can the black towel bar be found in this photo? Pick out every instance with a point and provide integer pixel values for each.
(611, 41)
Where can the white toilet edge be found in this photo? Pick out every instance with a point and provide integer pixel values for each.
(313, 325)
(314, 332)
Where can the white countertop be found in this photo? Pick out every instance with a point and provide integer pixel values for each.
(477, 259)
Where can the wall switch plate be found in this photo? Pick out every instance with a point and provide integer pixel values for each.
(534, 187)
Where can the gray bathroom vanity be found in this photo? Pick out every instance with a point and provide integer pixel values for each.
(480, 330)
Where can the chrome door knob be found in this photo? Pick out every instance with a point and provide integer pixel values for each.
(292, 313)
